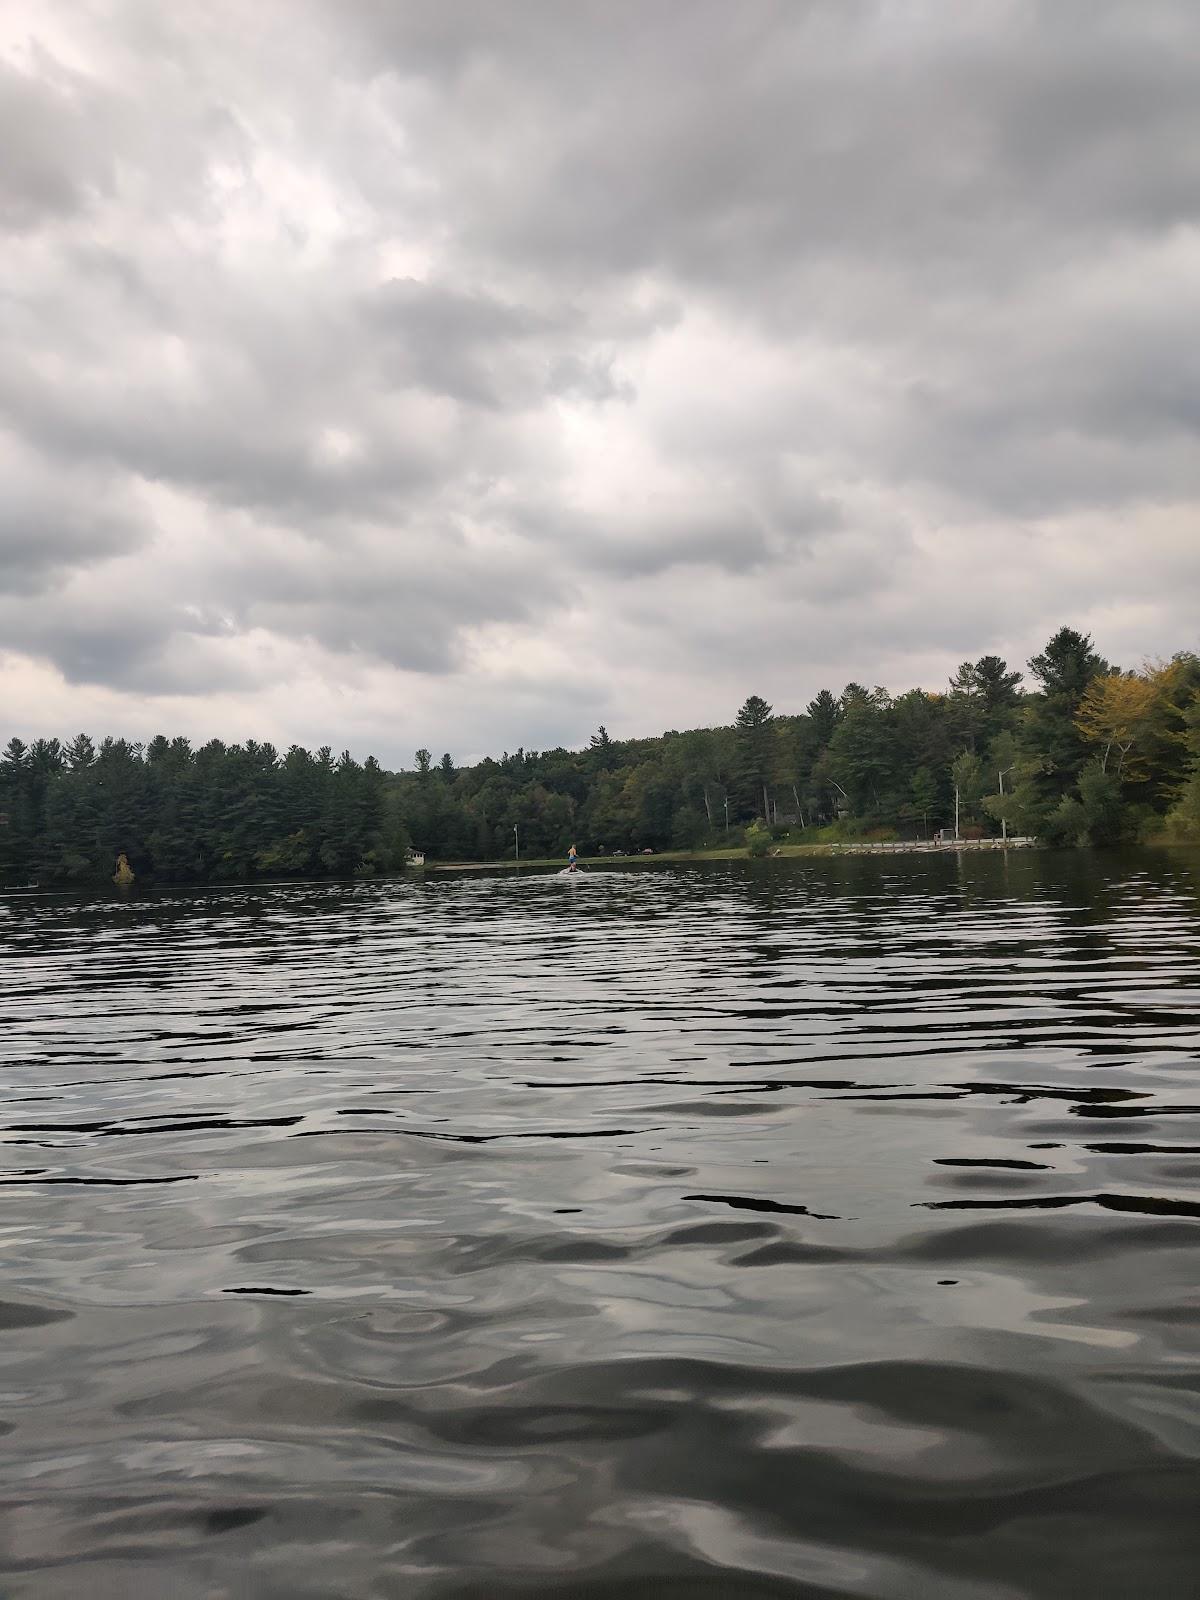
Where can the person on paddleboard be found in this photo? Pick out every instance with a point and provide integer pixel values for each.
(572, 859)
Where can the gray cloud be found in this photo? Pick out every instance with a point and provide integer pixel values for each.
(497, 348)
(52, 525)
(50, 163)
(468, 346)
(405, 600)
(122, 639)
(724, 146)
(662, 535)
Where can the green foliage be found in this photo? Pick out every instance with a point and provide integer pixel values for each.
(689, 828)
(1067, 665)
(966, 772)
(1091, 816)
(287, 855)
(1100, 796)
(755, 750)
(758, 839)
(177, 815)
(923, 799)
(824, 713)
(1183, 819)
(1087, 757)
(862, 754)
(982, 695)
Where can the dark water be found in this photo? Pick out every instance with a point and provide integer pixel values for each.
(777, 1229)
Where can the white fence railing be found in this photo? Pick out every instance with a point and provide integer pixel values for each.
(892, 847)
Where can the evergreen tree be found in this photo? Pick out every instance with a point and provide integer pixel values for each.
(18, 825)
(824, 712)
(754, 741)
(998, 686)
(967, 709)
(1063, 671)
(861, 759)
(80, 753)
(1067, 665)
(602, 750)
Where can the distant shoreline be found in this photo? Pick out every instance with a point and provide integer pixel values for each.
(741, 853)
(827, 851)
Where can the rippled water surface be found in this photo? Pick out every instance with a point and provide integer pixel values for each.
(740, 1230)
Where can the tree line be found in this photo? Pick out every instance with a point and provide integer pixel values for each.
(1084, 754)
(183, 815)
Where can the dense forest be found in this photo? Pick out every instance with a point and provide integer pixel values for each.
(1087, 754)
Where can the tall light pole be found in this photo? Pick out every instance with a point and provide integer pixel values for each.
(516, 841)
(726, 813)
(1003, 818)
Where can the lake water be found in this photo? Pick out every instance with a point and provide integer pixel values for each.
(736, 1230)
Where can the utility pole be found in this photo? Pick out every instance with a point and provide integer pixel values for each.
(516, 841)
(956, 811)
(726, 814)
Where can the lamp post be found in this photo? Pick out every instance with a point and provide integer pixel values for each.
(726, 814)
(516, 841)
(1003, 818)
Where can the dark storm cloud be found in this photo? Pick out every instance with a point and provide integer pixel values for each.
(403, 333)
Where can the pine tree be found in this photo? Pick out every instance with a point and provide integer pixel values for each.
(1063, 671)
(825, 713)
(754, 747)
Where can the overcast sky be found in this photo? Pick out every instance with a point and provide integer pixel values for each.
(386, 373)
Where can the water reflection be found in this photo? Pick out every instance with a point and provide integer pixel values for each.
(759, 1229)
